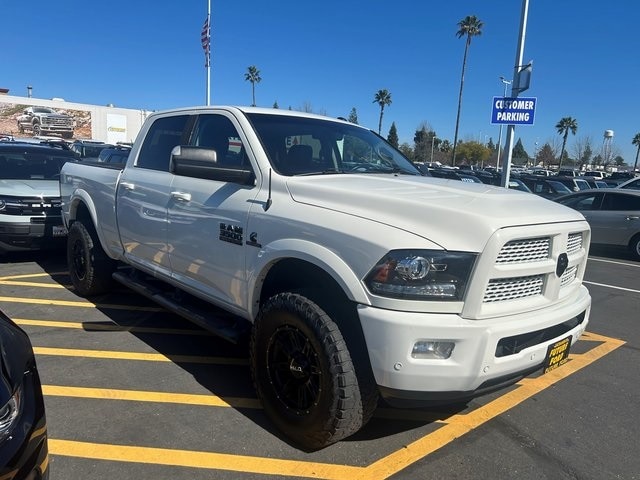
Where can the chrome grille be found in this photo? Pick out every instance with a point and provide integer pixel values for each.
(574, 243)
(522, 251)
(568, 276)
(503, 289)
(31, 206)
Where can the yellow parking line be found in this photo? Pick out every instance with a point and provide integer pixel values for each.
(35, 284)
(71, 303)
(454, 427)
(199, 459)
(459, 425)
(109, 327)
(146, 357)
(33, 275)
(146, 396)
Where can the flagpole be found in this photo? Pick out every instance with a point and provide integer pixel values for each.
(209, 54)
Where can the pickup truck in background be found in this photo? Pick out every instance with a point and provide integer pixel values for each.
(46, 121)
(353, 275)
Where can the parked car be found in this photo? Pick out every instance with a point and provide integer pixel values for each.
(517, 184)
(115, 155)
(574, 184)
(613, 214)
(594, 174)
(23, 425)
(595, 182)
(632, 184)
(89, 149)
(542, 172)
(544, 186)
(568, 172)
(30, 196)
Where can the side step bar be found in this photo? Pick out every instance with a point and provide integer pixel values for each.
(211, 318)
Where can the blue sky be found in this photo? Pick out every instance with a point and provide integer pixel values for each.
(334, 55)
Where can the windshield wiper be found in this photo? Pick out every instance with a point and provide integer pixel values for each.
(331, 171)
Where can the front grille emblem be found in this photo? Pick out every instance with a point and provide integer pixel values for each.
(563, 263)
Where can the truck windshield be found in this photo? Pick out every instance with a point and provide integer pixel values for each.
(313, 146)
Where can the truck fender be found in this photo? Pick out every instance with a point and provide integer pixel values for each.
(313, 253)
(80, 200)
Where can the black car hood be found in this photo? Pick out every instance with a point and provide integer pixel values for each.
(16, 357)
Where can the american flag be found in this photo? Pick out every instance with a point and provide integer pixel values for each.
(205, 38)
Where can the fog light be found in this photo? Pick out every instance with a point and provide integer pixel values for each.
(431, 349)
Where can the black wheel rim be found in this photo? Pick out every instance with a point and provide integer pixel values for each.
(78, 260)
(294, 369)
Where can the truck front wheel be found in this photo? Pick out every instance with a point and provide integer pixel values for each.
(90, 268)
(36, 129)
(303, 372)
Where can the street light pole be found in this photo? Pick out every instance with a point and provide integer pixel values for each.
(433, 137)
(504, 94)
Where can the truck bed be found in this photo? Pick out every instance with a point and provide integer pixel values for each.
(95, 183)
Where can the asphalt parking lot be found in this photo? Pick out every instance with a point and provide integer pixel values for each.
(132, 391)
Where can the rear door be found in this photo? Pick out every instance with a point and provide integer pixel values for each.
(143, 196)
(618, 218)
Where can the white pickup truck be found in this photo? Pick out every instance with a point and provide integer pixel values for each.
(353, 275)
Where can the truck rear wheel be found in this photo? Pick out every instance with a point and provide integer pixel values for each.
(303, 372)
(90, 268)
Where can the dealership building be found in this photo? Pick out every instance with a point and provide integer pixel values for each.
(108, 123)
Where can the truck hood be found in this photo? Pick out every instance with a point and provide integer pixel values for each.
(455, 215)
(30, 188)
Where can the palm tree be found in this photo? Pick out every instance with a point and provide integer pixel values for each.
(470, 26)
(636, 141)
(382, 98)
(564, 126)
(253, 76)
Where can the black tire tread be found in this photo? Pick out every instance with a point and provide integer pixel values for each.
(346, 415)
(100, 266)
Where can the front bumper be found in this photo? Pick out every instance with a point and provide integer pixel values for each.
(33, 233)
(478, 363)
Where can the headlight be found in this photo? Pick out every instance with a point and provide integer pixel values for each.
(421, 275)
(9, 413)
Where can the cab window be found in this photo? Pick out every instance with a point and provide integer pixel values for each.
(163, 135)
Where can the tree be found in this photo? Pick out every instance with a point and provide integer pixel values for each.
(636, 142)
(275, 104)
(406, 150)
(519, 154)
(353, 116)
(564, 126)
(382, 98)
(545, 156)
(469, 26)
(582, 151)
(253, 76)
(473, 153)
(422, 141)
(392, 138)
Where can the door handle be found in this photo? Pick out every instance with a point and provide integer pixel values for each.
(128, 186)
(632, 217)
(181, 196)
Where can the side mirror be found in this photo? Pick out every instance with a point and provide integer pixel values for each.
(202, 162)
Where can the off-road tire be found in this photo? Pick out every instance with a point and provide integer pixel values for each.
(36, 129)
(303, 372)
(90, 268)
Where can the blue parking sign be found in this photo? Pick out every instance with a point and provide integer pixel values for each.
(513, 110)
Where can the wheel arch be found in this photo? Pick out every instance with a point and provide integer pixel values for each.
(288, 265)
(82, 208)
